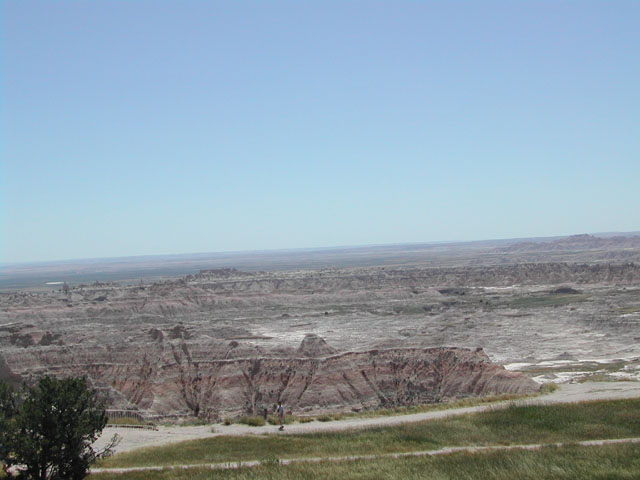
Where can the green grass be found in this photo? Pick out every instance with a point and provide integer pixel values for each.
(571, 462)
(287, 419)
(385, 412)
(258, 420)
(332, 416)
(125, 421)
(550, 300)
(251, 421)
(512, 425)
(603, 377)
(433, 407)
(324, 418)
(548, 388)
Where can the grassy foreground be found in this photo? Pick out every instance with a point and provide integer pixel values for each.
(513, 425)
(585, 463)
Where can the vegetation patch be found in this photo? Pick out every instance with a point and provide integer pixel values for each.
(384, 412)
(432, 407)
(550, 463)
(324, 418)
(46, 429)
(287, 419)
(125, 421)
(604, 377)
(549, 388)
(566, 291)
(508, 426)
(551, 300)
(251, 421)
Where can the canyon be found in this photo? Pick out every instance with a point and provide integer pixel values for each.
(448, 323)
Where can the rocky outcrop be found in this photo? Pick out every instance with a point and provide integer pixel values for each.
(575, 243)
(226, 342)
(314, 346)
(177, 378)
(197, 295)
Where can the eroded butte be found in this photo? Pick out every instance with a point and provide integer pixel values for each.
(225, 341)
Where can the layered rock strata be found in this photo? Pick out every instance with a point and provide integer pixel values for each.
(206, 293)
(178, 380)
(228, 342)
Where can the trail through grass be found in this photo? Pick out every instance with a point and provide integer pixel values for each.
(513, 425)
(388, 412)
(571, 462)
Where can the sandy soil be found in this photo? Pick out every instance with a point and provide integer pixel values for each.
(138, 438)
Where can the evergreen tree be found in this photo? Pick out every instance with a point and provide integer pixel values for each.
(54, 428)
(7, 422)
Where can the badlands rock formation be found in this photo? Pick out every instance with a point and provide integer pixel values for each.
(228, 342)
(173, 378)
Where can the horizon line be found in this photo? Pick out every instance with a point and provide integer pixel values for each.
(300, 249)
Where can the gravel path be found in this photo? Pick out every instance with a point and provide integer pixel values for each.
(577, 392)
(422, 453)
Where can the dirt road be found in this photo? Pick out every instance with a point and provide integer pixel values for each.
(577, 392)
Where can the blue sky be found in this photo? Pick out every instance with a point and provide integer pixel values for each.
(155, 127)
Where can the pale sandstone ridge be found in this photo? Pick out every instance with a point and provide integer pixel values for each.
(187, 382)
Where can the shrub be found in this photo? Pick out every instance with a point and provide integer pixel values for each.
(288, 419)
(52, 431)
(125, 421)
(252, 421)
(270, 461)
(549, 387)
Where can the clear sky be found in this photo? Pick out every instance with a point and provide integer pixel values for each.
(155, 127)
